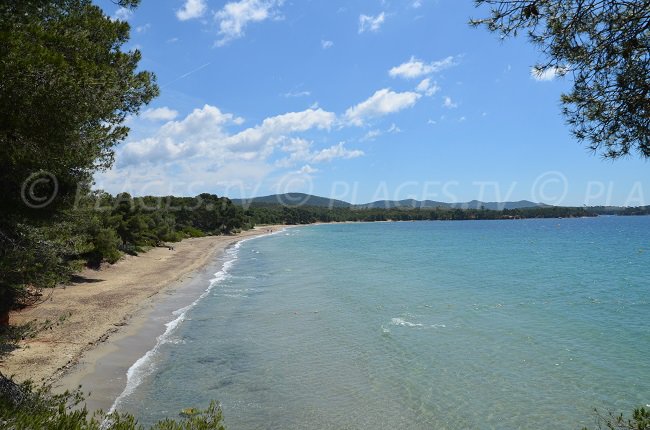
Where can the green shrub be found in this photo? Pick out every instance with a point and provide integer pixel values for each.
(640, 421)
(22, 407)
(107, 244)
(190, 231)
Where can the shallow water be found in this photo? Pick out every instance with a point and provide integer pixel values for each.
(446, 325)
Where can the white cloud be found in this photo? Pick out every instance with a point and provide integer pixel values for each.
(159, 114)
(371, 135)
(236, 15)
(393, 129)
(122, 14)
(449, 103)
(300, 150)
(291, 94)
(427, 87)
(416, 4)
(273, 130)
(143, 28)
(307, 170)
(201, 129)
(547, 74)
(382, 102)
(199, 151)
(415, 68)
(374, 133)
(192, 9)
(326, 44)
(336, 151)
(371, 23)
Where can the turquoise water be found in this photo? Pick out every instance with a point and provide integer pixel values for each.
(425, 325)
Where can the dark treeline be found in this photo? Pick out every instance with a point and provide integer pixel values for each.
(617, 210)
(123, 224)
(277, 214)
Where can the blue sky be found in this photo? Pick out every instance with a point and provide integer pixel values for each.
(357, 100)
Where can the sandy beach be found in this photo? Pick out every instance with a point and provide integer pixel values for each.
(102, 305)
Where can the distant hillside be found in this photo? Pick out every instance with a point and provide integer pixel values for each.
(292, 199)
(430, 204)
(301, 199)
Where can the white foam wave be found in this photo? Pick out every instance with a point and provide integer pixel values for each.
(404, 323)
(144, 366)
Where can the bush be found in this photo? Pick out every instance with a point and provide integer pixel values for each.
(106, 248)
(640, 421)
(22, 407)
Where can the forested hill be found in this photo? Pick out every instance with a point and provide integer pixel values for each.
(430, 204)
(292, 199)
(301, 199)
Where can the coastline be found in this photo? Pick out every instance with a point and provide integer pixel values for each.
(102, 308)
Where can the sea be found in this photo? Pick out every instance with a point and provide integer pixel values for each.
(512, 324)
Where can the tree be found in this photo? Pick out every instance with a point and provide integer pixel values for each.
(605, 46)
(66, 88)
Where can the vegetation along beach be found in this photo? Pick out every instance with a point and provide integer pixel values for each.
(261, 214)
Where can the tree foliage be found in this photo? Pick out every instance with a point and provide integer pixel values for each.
(66, 88)
(24, 407)
(605, 46)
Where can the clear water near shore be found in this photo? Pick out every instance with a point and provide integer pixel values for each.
(446, 325)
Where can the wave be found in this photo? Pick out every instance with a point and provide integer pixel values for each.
(144, 366)
(403, 323)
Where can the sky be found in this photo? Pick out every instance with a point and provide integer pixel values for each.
(356, 100)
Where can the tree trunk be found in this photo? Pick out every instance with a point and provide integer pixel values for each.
(4, 319)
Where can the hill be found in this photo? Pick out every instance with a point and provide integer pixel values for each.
(292, 199)
(301, 199)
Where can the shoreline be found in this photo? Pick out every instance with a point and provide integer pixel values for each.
(102, 309)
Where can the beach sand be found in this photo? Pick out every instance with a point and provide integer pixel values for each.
(102, 306)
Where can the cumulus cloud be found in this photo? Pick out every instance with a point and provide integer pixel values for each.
(236, 15)
(326, 44)
(415, 68)
(273, 130)
(541, 74)
(159, 114)
(427, 87)
(382, 102)
(371, 23)
(179, 139)
(192, 9)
